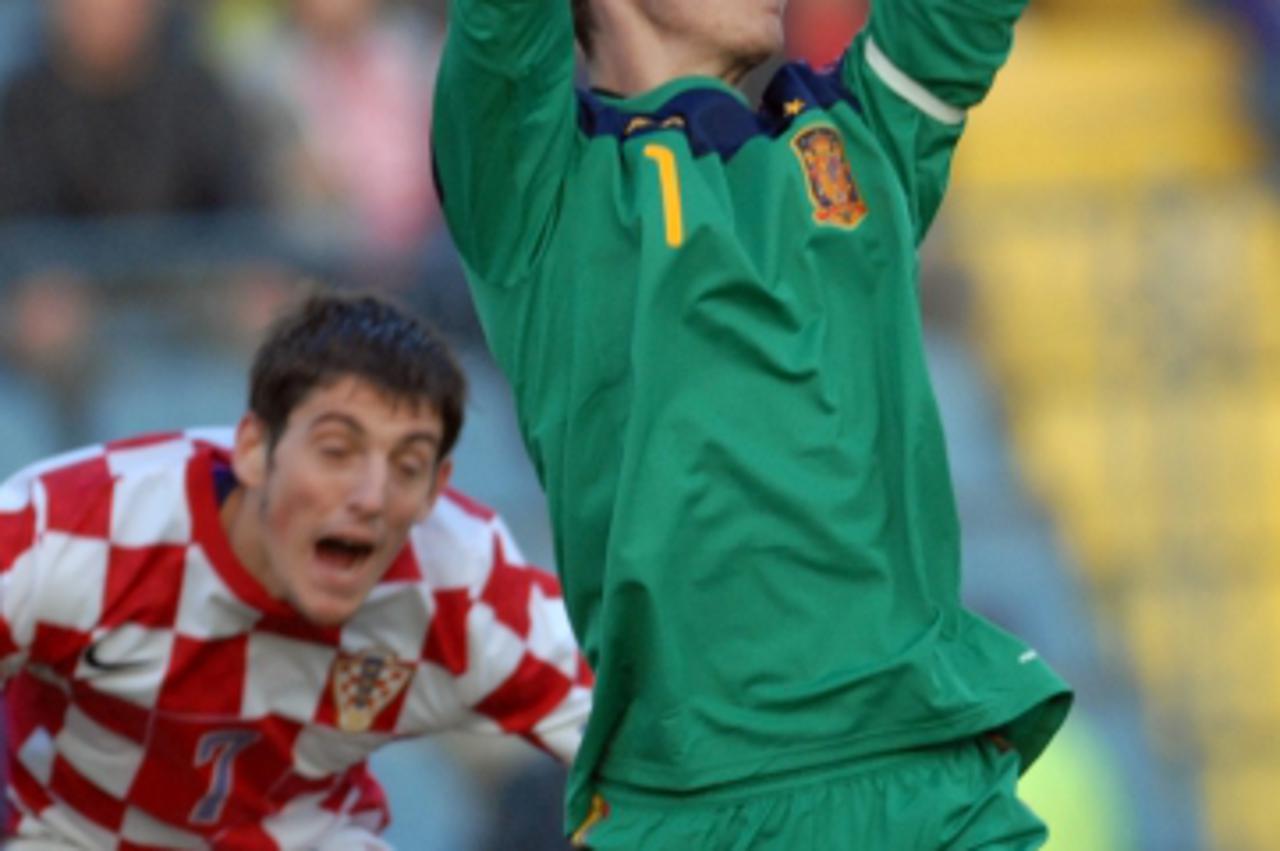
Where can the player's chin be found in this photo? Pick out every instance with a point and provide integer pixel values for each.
(777, 38)
(327, 610)
(766, 44)
(329, 591)
(772, 22)
(329, 604)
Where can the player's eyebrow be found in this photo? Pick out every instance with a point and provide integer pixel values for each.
(346, 420)
(430, 437)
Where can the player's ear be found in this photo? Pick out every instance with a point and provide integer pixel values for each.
(249, 454)
(444, 470)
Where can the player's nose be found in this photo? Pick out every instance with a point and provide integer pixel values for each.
(367, 496)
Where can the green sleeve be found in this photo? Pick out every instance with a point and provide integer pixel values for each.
(503, 129)
(916, 68)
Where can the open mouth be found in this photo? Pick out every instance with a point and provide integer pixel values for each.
(343, 552)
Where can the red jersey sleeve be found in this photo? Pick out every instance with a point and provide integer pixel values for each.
(525, 674)
(18, 536)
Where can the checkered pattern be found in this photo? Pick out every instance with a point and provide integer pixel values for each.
(158, 698)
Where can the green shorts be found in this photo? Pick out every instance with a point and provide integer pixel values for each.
(959, 797)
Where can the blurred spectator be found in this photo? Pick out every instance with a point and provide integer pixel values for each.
(109, 122)
(46, 326)
(345, 94)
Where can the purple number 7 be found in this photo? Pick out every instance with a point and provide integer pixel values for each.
(220, 747)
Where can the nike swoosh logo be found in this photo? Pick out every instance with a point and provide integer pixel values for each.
(91, 659)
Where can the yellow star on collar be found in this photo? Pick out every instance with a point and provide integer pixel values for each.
(794, 107)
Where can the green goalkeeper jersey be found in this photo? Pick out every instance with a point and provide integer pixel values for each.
(709, 317)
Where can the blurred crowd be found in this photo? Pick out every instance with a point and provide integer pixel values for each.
(311, 108)
(137, 135)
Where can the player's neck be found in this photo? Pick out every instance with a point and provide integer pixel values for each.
(241, 520)
(630, 59)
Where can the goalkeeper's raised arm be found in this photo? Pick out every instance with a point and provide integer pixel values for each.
(504, 119)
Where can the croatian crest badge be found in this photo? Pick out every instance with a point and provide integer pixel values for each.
(364, 684)
(835, 196)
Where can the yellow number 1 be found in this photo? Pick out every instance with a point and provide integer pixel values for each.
(669, 179)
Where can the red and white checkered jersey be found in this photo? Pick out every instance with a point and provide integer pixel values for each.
(159, 698)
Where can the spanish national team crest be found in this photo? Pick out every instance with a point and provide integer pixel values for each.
(835, 197)
(364, 684)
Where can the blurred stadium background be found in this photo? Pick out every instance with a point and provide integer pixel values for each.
(1101, 295)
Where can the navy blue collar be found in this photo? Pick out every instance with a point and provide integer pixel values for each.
(224, 481)
(715, 117)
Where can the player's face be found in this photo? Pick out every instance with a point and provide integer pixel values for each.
(746, 32)
(335, 19)
(105, 36)
(334, 500)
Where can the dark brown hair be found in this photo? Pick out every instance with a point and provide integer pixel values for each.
(331, 336)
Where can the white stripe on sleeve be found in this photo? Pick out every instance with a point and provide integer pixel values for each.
(909, 90)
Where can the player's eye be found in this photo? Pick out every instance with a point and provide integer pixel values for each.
(335, 451)
(412, 470)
